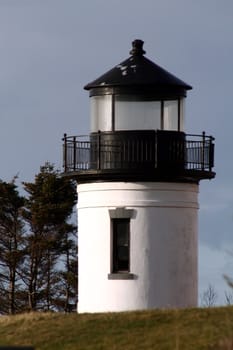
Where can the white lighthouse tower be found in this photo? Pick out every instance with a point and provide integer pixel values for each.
(138, 176)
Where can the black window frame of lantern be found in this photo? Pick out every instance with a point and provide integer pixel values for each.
(120, 217)
(138, 98)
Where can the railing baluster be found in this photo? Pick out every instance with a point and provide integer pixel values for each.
(211, 153)
(74, 153)
(65, 153)
(203, 151)
(98, 151)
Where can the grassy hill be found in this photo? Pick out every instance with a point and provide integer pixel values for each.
(210, 328)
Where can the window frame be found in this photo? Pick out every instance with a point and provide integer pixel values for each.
(120, 214)
(116, 261)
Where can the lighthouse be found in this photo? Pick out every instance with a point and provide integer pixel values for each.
(138, 175)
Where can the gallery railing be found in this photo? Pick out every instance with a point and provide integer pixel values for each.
(138, 150)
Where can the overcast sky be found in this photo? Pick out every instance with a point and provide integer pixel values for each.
(49, 49)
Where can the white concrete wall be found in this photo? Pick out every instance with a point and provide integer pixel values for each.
(163, 246)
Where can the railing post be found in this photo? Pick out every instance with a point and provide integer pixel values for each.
(155, 145)
(211, 153)
(203, 150)
(74, 153)
(98, 151)
(65, 152)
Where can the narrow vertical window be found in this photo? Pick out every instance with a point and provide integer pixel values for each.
(120, 248)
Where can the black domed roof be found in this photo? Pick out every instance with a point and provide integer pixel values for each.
(138, 71)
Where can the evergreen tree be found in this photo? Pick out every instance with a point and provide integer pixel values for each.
(48, 208)
(12, 249)
(68, 276)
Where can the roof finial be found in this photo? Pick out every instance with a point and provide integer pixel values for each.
(137, 48)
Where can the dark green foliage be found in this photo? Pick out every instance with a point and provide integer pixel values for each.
(37, 244)
(12, 245)
(49, 206)
(69, 276)
(51, 200)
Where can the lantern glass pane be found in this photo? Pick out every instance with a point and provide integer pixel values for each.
(170, 115)
(131, 114)
(182, 114)
(101, 113)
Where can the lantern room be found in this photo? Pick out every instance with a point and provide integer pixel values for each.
(137, 128)
(137, 95)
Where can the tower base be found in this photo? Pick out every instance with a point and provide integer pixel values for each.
(162, 251)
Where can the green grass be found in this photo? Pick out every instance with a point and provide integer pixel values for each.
(209, 328)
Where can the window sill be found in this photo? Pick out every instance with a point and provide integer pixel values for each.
(121, 276)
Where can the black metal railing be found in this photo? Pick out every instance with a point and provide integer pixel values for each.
(199, 152)
(138, 149)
